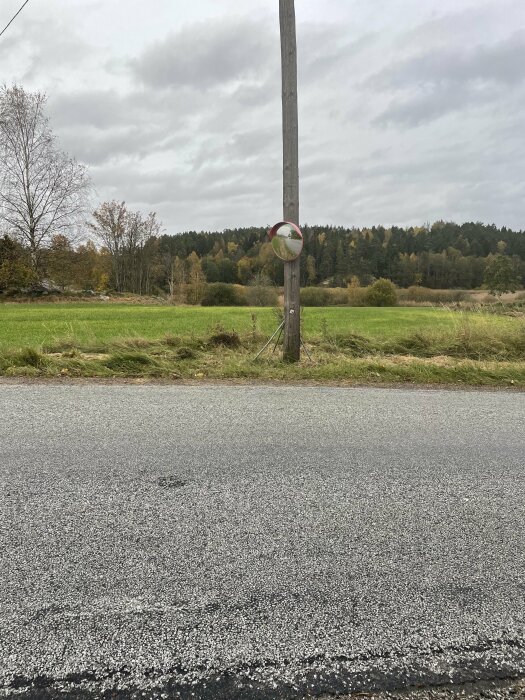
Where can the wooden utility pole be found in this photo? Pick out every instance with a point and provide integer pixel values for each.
(292, 307)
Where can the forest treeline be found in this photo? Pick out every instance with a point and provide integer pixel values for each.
(128, 253)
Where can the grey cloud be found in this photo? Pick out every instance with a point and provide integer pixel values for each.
(97, 108)
(322, 169)
(101, 147)
(325, 50)
(8, 45)
(432, 104)
(228, 114)
(253, 144)
(466, 169)
(256, 94)
(486, 200)
(486, 21)
(133, 125)
(239, 150)
(45, 43)
(457, 159)
(208, 54)
(106, 108)
(210, 194)
(434, 84)
(175, 184)
(500, 63)
(427, 105)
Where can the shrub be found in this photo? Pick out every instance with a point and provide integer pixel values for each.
(356, 296)
(381, 293)
(337, 296)
(28, 357)
(220, 294)
(230, 339)
(421, 295)
(418, 343)
(334, 296)
(10, 292)
(129, 362)
(21, 371)
(315, 296)
(185, 353)
(262, 296)
(354, 344)
(261, 291)
(171, 340)
(501, 275)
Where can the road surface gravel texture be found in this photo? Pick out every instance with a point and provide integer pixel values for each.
(258, 543)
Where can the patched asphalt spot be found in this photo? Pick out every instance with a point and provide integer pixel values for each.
(170, 482)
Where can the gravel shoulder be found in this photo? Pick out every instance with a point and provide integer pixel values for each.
(247, 382)
(513, 689)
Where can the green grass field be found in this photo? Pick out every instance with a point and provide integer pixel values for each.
(39, 324)
(348, 345)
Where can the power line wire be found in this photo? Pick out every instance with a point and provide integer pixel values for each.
(13, 18)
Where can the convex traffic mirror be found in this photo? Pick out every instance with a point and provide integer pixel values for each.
(287, 240)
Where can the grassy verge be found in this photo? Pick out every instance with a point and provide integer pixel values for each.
(450, 348)
(40, 324)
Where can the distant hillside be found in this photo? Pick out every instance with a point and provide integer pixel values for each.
(443, 255)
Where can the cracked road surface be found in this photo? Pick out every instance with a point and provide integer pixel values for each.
(258, 542)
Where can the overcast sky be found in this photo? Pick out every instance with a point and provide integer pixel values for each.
(410, 110)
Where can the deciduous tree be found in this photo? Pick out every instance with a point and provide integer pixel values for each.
(43, 191)
(128, 237)
(500, 275)
(15, 270)
(197, 281)
(60, 261)
(109, 228)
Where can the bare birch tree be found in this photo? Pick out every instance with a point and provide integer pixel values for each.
(111, 220)
(43, 191)
(125, 234)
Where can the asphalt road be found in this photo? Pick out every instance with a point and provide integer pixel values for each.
(258, 542)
